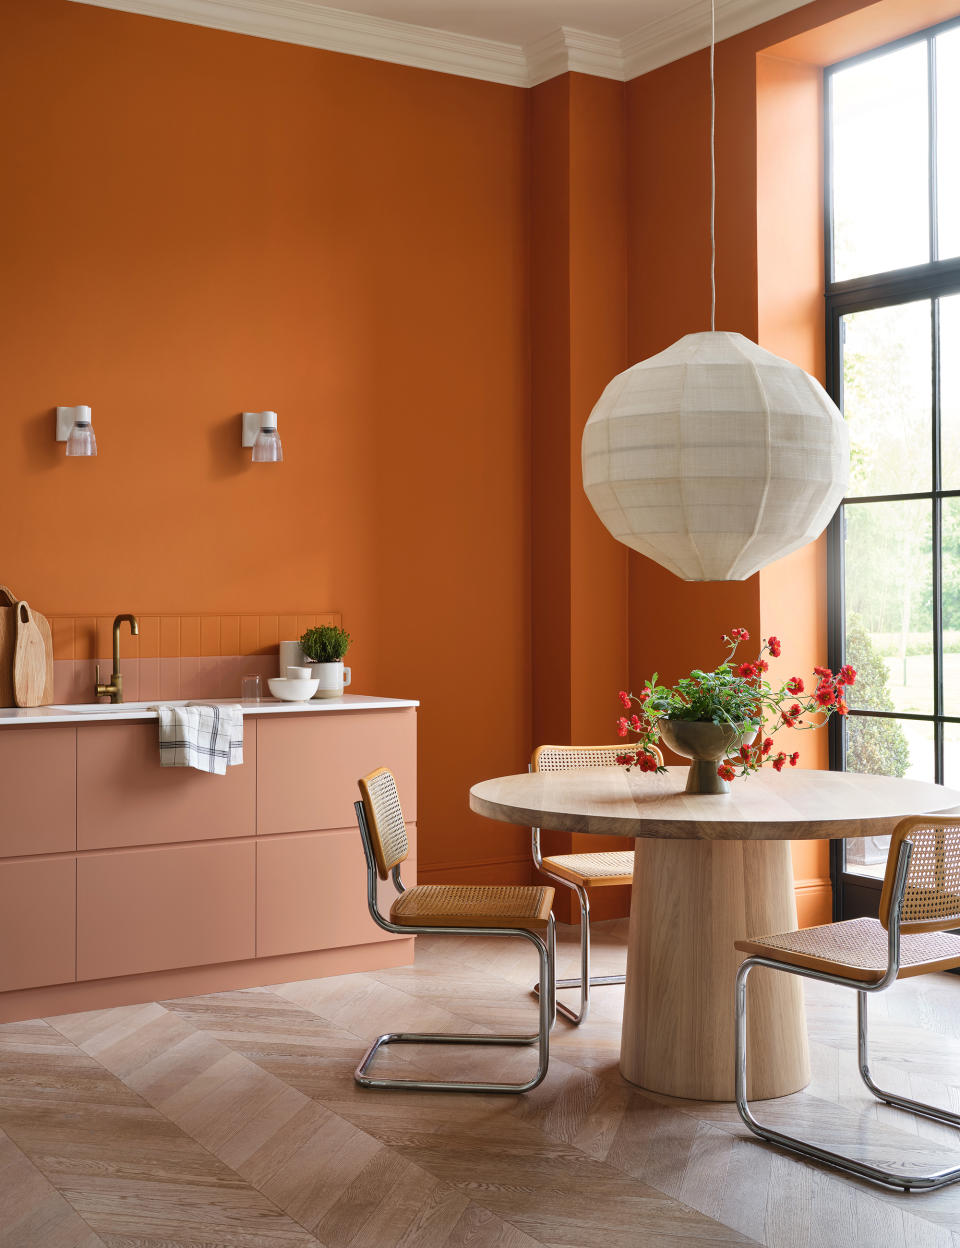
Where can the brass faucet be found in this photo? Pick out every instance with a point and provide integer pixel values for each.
(114, 691)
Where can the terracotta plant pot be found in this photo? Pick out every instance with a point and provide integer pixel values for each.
(705, 744)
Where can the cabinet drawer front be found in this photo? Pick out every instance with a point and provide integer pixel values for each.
(124, 796)
(155, 909)
(307, 769)
(312, 893)
(37, 923)
(38, 790)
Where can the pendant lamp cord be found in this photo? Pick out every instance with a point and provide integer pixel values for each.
(713, 167)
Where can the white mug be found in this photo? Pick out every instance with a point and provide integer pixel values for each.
(291, 656)
(332, 677)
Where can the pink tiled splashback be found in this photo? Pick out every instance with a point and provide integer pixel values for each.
(181, 636)
(174, 657)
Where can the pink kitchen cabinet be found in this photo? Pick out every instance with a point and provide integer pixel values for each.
(124, 796)
(174, 906)
(38, 790)
(311, 892)
(307, 768)
(37, 922)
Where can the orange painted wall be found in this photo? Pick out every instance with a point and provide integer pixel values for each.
(195, 223)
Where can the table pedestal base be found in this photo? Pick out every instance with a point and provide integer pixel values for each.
(691, 900)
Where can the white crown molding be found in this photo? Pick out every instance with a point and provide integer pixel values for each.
(568, 49)
(657, 43)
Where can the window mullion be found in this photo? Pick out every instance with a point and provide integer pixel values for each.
(932, 146)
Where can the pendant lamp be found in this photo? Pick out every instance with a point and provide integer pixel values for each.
(715, 457)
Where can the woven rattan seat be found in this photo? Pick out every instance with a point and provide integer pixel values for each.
(474, 905)
(599, 870)
(857, 949)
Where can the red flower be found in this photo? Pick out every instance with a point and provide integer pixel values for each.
(745, 753)
(779, 761)
(767, 745)
(739, 634)
(725, 771)
(825, 695)
(643, 695)
(824, 672)
(635, 722)
(794, 759)
(763, 665)
(847, 675)
(621, 727)
(625, 760)
(646, 762)
(747, 670)
(796, 710)
(788, 719)
(774, 645)
(842, 707)
(624, 698)
(794, 685)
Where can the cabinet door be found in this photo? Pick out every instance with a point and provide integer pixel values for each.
(124, 796)
(308, 767)
(38, 908)
(154, 909)
(38, 790)
(312, 893)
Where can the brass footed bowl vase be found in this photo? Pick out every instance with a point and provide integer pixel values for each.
(705, 744)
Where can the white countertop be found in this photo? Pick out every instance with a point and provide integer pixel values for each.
(105, 713)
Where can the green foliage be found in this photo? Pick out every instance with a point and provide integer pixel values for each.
(720, 696)
(876, 746)
(326, 644)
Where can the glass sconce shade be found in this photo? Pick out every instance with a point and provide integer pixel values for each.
(82, 440)
(268, 449)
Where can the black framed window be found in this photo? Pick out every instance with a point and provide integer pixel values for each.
(893, 366)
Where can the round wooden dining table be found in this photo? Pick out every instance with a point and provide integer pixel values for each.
(709, 870)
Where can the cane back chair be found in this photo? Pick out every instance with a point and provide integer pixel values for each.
(458, 909)
(582, 873)
(919, 902)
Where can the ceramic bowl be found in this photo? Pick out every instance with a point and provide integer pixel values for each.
(292, 690)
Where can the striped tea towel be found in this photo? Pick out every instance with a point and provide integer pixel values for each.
(209, 738)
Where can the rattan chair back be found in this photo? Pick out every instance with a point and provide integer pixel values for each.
(388, 835)
(566, 757)
(931, 894)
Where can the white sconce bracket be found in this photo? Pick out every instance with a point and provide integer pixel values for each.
(251, 427)
(67, 418)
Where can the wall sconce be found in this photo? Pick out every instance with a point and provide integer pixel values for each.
(75, 428)
(260, 432)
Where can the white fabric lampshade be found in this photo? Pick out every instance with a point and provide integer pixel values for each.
(715, 457)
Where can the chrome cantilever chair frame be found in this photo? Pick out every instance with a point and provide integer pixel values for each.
(888, 1178)
(585, 981)
(546, 952)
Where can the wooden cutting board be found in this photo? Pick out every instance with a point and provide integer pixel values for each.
(44, 626)
(29, 660)
(8, 643)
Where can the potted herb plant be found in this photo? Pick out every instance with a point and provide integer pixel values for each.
(724, 720)
(325, 647)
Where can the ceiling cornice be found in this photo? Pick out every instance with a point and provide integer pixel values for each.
(357, 34)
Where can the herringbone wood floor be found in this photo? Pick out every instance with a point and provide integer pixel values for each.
(234, 1120)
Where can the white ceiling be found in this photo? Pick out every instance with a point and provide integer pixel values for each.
(523, 21)
(518, 42)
